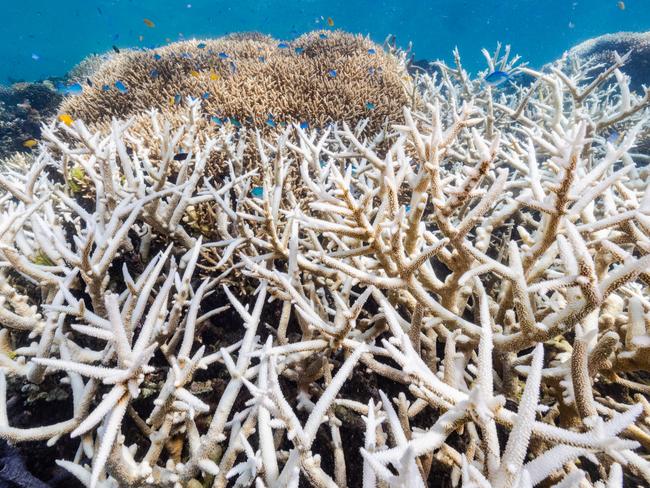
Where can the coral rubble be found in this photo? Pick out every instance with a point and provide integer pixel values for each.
(469, 297)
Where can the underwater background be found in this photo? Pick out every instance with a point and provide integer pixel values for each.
(44, 38)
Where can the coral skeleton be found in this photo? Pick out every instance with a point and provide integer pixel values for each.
(460, 298)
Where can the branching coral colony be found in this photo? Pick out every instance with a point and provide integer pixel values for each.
(487, 263)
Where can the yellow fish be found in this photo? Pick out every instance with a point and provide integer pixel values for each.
(149, 23)
(330, 21)
(214, 76)
(30, 143)
(66, 119)
(194, 73)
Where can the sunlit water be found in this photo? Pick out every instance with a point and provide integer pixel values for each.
(45, 38)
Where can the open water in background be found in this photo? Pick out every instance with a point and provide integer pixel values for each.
(61, 33)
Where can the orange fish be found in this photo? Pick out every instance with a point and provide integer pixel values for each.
(66, 119)
(149, 23)
(330, 21)
(30, 143)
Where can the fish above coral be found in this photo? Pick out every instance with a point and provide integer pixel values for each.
(250, 77)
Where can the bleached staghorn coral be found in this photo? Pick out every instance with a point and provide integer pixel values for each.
(499, 241)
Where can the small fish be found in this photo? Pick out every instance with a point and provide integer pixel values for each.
(116, 49)
(149, 23)
(35, 57)
(322, 36)
(496, 78)
(66, 119)
(154, 73)
(205, 96)
(99, 11)
(261, 59)
(613, 137)
(157, 57)
(90, 83)
(299, 50)
(371, 71)
(115, 37)
(235, 122)
(283, 45)
(73, 89)
(120, 86)
(201, 45)
(408, 208)
(30, 143)
(621, 5)
(370, 106)
(270, 122)
(105, 87)
(372, 51)
(177, 99)
(213, 75)
(182, 156)
(233, 67)
(194, 73)
(216, 120)
(223, 55)
(304, 125)
(332, 73)
(330, 21)
(257, 192)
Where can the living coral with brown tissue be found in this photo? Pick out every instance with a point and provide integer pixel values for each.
(454, 293)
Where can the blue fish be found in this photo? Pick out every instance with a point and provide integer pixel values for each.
(73, 89)
(157, 57)
(235, 122)
(223, 55)
(216, 120)
(613, 137)
(257, 192)
(201, 45)
(105, 87)
(120, 86)
(283, 45)
(177, 99)
(304, 125)
(154, 73)
(323, 36)
(205, 95)
(372, 51)
(496, 78)
(35, 57)
(370, 106)
(90, 83)
(261, 59)
(332, 73)
(270, 122)
(408, 208)
(299, 50)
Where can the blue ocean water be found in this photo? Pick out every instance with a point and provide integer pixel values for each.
(45, 38)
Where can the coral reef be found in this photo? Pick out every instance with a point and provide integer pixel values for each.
(465, 303)
(23, 108)
(601, 50)
(252, 80)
